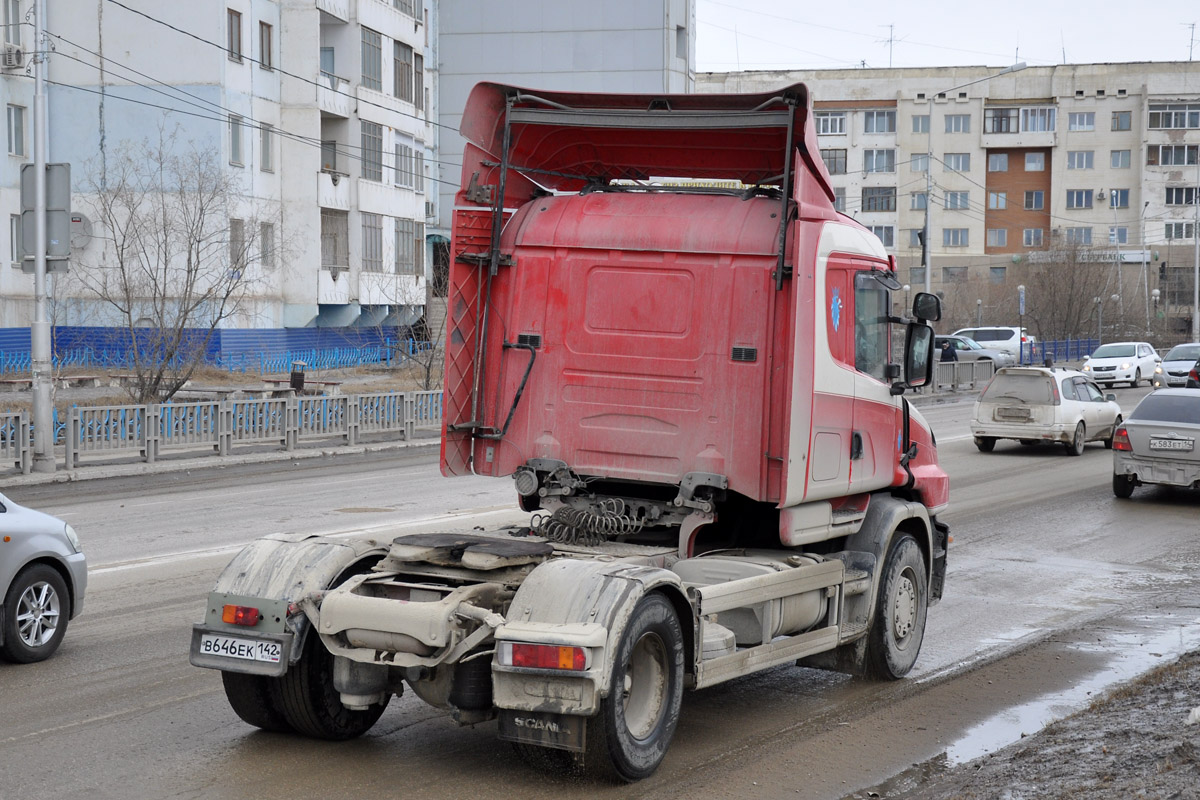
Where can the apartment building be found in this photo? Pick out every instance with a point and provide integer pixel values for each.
(1014, 167)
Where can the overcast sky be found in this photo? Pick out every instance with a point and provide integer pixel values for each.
(805, 34)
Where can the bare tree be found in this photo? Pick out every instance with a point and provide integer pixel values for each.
(1062, 292)
(183, 250)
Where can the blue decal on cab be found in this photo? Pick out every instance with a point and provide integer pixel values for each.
(835, 307)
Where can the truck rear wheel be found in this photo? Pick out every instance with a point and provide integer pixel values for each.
(311, 704)
(900, 610)
(628, 739)
(252, 700)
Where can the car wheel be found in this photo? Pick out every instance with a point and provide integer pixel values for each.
(1075, 446)
(901, 606)
(1123, 485)
(986, 444)
(36, 609)
(1116, 424)
(1137, 378)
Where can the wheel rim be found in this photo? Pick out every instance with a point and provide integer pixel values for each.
(37, 614)
(1078, 443)
(904, 607)
(645, 688)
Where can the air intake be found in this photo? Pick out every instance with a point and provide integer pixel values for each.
(529, 339)
(745, 354)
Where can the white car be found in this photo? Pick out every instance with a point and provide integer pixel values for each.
(1009, 340)
(1040, 404)
(1176, 364)
(1122, 362)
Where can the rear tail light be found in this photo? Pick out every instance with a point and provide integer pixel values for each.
(1054, 391)
(1121, 439)
(543, 656)
(240, 615)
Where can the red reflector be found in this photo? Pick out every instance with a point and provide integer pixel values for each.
(240, 615)
(1121, 440)
(548, 656)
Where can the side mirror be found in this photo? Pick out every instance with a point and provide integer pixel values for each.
(1085, 358)
(1112, 398)
(918, 356)
(927, 307)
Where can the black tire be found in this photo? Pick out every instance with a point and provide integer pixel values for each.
(1123, 486)
(1116, 424)
(36, 610)
(1075, 446)
(986, 444)
(628, 739)
(312, 706)
(900, 610)
(1137, 378)
(254, 698)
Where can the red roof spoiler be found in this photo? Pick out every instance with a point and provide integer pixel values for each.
(566, 140)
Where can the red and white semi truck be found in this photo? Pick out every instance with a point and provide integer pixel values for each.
(689, 364)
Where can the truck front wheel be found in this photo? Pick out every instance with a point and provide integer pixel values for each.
(312, 705)
(900, 610)
(628, 739)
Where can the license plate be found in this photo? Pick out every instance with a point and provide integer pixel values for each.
(1019, 414)
(248, 649)
(1172, 444)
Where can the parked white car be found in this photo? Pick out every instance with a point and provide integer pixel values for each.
(1176, 364)
(1122, 362)
(1006, 339)
(1039, 404)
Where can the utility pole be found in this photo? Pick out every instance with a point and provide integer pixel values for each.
(1196, 255)
(43, 426)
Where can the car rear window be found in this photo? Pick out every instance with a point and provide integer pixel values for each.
(1029, 388)
(1168, 408)
(1183, 352)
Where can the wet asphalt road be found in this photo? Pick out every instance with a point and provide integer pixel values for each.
(1051, 579)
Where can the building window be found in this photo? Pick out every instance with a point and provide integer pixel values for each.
(879, 198)
(1037, 120)
(1079, 159)
(266, 156)
(372, 150)
(879, 161)
(997, 162)
(335, 239)
(235, 139)
(998, 200)
(402, 71)
(372, 242)
(1001, 120)
(920, 162)
(1120, 159)
(266, 47)
(997, 274)
(266, 244)
(410, 7)
(237, 242)
(958, 123)
(419, 82)
(1035, 200)
(1081, 121)
(1171, 155)
(958, 200)
(839, 199)
(405, 263)
(1118, 198)
(916, 275)
(16, 131)
(419, 250)
(954, 274)
(1033, 237)
(329, 155)
(886, 234)
(914, 237)
(1180, 230)
(835, 161)
(1175, 115)
(233, 26)
(955, 237)
(879, 122)
(15, 251)
(1181, 195)
(958, 162)
(1079, 198)
(919, 200)
(830, 123)
(12, 22)
(404, 165)
(1035, 162)
(1118, 234)
(372, 60)
(997, 237)
(920, 123)
(1121, 120)
(1079, 236)
(419, 167)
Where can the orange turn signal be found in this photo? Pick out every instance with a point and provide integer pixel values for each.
(240, 615)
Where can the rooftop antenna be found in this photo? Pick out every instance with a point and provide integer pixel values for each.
(1191, 37)
(1063, 40)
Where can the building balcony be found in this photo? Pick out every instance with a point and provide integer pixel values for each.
(1017, 141)
(334, 96)
(333, 190)
(336, 8)
(333, 284)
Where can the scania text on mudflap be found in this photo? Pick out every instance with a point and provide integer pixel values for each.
(688, 363)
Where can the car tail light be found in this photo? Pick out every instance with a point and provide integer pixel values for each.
(1121, 439)
(1054, 390)
(240, 615)
(543, 656)
(1195, 374)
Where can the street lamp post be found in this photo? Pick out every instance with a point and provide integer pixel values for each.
(979, 313)
(1154, 295)
(907, 299)
(1099, 320)
(925, 246)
